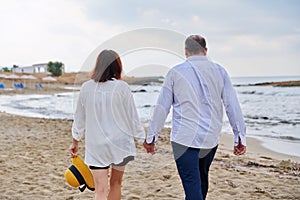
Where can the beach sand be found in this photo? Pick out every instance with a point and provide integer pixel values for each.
(34, 157)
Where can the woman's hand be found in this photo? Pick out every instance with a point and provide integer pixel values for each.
(74, 148)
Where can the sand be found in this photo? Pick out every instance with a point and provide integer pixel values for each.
(34, 156)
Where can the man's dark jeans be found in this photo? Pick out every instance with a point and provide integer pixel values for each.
(193, 167)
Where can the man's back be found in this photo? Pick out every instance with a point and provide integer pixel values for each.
(197, 86)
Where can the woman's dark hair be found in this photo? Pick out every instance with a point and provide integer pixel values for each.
(195, 44)
(108, 66)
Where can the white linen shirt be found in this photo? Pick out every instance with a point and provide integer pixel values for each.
(107, 115)
(197, 89)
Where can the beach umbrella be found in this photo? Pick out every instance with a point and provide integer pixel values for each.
(23, 77)
(31, 77)
(49, 79)
(27, 77)
(13, 77)
(3, 76)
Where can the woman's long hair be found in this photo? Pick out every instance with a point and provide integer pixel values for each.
(108, 66)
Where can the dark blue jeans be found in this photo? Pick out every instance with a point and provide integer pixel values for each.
(193, 167)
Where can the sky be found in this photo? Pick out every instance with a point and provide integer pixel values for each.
(247, 37)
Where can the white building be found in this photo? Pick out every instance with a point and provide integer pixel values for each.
(37, 68)
(41, 68)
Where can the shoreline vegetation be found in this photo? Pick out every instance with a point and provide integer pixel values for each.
(34, 155)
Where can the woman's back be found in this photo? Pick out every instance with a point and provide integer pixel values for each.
(111, 121)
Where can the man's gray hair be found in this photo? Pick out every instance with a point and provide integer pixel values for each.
(195, 44)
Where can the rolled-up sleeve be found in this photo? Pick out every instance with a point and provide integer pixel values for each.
(233, 110)
(78, 127)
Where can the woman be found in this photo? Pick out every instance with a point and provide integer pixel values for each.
(106, 113)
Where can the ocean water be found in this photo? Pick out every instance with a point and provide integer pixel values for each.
(272, 114)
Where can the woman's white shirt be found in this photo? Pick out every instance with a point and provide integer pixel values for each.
(107, 115)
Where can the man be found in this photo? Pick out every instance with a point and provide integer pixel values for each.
(197, 89)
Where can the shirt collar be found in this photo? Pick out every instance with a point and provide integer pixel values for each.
(197, 58)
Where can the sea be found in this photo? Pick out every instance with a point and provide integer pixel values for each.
(272, 114)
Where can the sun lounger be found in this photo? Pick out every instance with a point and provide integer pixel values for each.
(38, 86)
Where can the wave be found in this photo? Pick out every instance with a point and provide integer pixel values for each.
(264, 120)
(266, 93)
(285, 137)
(141, 90)
(252, 92)
(269, 93)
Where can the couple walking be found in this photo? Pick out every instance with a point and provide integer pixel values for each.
(197, 89)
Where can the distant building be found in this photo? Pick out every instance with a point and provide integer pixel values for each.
(41, 68)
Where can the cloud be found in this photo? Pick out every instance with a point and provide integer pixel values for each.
(255, 32)
(168, 21)
(143, 46)
(40, 31)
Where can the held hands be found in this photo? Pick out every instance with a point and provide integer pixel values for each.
(240, 149)
(150, 148)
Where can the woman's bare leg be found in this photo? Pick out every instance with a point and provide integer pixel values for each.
(101, 183)
(116, 182)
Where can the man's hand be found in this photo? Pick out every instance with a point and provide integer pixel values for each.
(74, 148)
(150, 148)
(240, 149)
